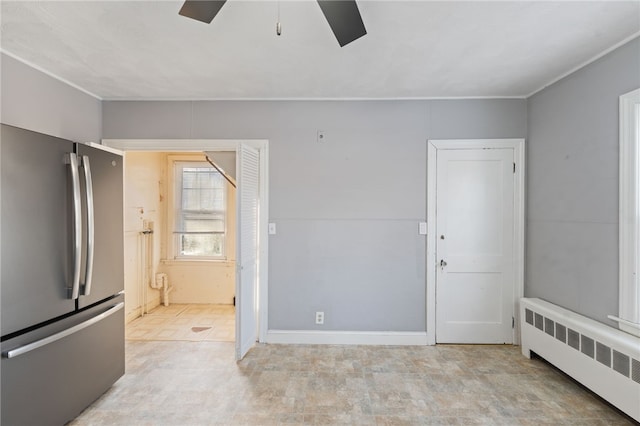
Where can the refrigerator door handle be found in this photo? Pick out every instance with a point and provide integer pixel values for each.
(90, 226)
(21, 350)
(72, 161)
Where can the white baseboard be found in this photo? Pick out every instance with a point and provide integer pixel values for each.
(312, 337)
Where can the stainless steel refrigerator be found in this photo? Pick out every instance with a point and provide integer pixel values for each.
(62, 276)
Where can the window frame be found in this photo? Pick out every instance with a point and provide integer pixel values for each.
(174, 206)
(629, 219)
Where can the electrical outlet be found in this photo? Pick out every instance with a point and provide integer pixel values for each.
(319, 318)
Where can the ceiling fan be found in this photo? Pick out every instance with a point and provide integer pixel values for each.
(343, 16)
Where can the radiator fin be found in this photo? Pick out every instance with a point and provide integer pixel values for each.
(561, 333)
(574, 339)
(621, 363)
(603, 354)
(548, 326)
(635, 370)
(587, 346)
(539, 322)
(528, 315)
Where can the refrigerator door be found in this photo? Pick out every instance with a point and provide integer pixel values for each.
(106, 276)
(36, 221)
(49, 375)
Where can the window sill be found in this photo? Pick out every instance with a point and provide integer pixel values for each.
(202, 262)
(628, 326)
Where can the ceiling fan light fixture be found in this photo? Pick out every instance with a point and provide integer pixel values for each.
(343, 16)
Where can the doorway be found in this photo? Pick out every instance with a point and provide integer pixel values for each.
(476, 240)
(251, 226)
(180, 239)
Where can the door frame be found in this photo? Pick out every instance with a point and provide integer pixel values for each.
(201, 145)
(433, 146)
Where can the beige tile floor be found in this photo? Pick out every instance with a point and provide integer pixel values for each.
(199, 383)
(191, 322)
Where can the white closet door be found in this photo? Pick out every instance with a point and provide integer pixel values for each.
(475, 252)
(247, 199)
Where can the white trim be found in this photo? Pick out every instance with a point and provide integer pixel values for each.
(624, 321)
(629, 211)
(430, 265)
(263, 248)
(308, 99)
(196, 263)
(103, 148)
(312, 337)
(519, 221)
(585, 63)
(50, 74)
(198, 145)
(476, 143)
(182, 145)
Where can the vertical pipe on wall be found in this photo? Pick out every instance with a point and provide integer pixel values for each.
(140, 274)
(145, 265)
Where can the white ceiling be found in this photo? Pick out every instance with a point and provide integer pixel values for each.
(413, 49)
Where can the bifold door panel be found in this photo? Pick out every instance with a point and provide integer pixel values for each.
(247, 202)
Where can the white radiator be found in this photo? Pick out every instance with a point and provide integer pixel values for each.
(604, 359)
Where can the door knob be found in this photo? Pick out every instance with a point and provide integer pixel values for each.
(442, 264)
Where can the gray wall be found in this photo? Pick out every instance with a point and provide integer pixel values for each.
(35, 101)
(347, 210)
(572, 157)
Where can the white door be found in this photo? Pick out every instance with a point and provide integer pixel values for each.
(247, 208)
(475, 273)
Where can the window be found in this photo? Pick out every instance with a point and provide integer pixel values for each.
(629, 286)
(200, 211)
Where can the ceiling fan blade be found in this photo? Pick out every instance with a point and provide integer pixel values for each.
(201, 10)
(344, 19)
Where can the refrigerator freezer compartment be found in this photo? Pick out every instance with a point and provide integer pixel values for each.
(51, 374)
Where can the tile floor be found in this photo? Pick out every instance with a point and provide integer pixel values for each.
(192, 322)
(199, 383)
